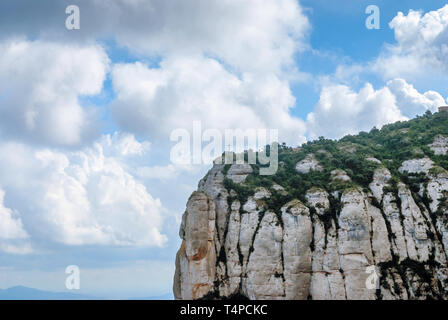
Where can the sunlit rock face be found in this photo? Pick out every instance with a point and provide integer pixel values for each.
(365, 217)
(308, 164)
(196, 259)
(440, 145)
(319, 248)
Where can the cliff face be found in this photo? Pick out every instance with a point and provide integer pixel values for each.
(318, 229)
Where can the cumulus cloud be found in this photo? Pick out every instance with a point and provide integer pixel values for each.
(82, 197)
(420, 52)
(168, 172)
(13, 237)
(410, 101)
(123, 144)
(41, 84)
(342, 111)
(225, 63)
(251, 35)
(155, 101)
(243, 48)
(422, 45)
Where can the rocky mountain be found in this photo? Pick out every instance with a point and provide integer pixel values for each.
(364, 217)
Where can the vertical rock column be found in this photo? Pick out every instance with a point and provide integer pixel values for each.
(297, 236)
(196, 259)
(354, 246)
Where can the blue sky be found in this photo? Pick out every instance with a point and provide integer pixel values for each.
(338, 30)
(86, 115)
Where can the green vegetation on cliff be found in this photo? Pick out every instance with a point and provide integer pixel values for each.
(392, 144)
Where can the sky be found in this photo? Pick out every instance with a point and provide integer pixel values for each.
(86, 115)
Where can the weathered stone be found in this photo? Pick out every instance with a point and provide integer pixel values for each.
(308, 164)
(416, 165)
(297, 237)
(196, 259)
(264, 273)
(381, 177)
(261, 193)
(318, 199)
(319, 249)
(239, 172)
(372, 159)
(340, 175)
(440, 145)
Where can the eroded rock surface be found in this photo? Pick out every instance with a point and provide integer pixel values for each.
(417, 165)
(308, 164)
(196, 259)
(327, 246)
(440, 145)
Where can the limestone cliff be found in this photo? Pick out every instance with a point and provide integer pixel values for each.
(337, 216)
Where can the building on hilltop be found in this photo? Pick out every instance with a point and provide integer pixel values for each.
(443, 108)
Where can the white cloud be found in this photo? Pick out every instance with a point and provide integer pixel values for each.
(10, 223)
(124, 144)
(342, 111)
(250, 35)
(167, 172)
(420, 56)
(82, 197)
(41, 84)
(410, 101)
(422, 45)
(226, 63)
(13, 237)
(158, 100)
(242, 47)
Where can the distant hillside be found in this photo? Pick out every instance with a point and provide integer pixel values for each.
(24, 293)
(367, 207)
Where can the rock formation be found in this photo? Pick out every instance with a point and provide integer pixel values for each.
(387, 239)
